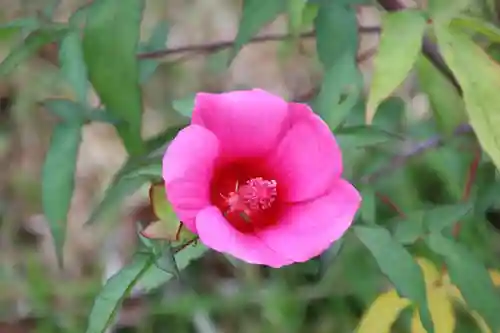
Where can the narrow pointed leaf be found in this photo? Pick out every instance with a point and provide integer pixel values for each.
(471, 277)
(395, 56)
(255, 15)
(399, 266)
(110, 43)
(30, 46)
(336, 33)
(382, 313)
(58, 179)
(114, 291)
(479, 78)
(446, 104)
(156, 42)
(73, 65)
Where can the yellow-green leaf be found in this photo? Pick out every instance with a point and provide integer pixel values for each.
(396, 55)
(383, 313)
(168, 227)
(479, 78)
(447, 106)
(440, 306)
(444, 10)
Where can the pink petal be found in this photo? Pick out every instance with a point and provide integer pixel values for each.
(187, 170)
(216, 232)
(307, 229)
(308, 158)
(247, 123)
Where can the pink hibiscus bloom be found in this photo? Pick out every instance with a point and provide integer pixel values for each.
(259, 178)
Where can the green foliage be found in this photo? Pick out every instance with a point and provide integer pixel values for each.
(446, 103)
(418, 176)
(478, 77)
(73, 65)
(396, 56)
(470, 277)
(156, 42)
(58, 179)
(114, 291)
(255, 14)
(110, 43)
(31, 45)
(398, 265)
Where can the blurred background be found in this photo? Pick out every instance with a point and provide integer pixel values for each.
(37, 296)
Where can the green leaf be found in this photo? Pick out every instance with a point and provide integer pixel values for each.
(487, 29)
(328, 257)
(398, 265)
(479, 78)
(255, 15)
(444, 10)
(184, 106)
(447, 106)
(73, 65)
(471, 278)
(336, 33)
(66, 110)
(114, 292)
(26, 25)
(368, 210)
(362, 136)
(395, 56)
(50, 8)
(434, 220)
(168, 227)
(30, 46)
(341, 80)
(110, 43)
(58, 179)
(136, 172)
(155, 276)
(295, 9)
(156, 42)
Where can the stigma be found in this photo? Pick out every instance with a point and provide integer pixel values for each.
(257, 194)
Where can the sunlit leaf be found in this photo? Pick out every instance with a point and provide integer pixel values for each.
(255, 15)
(446, 104)
(399, 266)
(58, 179)
(479, 78)
(114, 291)
(110, 42)
(395, 56)
(481, 26)
(470, 276)
(440, 306)
(295, 8)
(168, 227)
(382, 313)
(444, 10)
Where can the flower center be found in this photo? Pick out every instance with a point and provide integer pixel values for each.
(257, 194)
(247, 194)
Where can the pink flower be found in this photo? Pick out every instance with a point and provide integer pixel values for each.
(259, 178)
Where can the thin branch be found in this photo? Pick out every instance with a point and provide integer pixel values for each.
(400, 160)
(220, 45)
